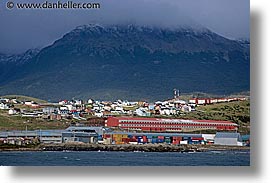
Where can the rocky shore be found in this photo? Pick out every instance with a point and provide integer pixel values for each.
(125, 148)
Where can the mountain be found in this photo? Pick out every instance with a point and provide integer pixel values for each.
(131, 62)
(11, 64)
(20, 58)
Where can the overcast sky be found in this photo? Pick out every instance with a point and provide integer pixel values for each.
(25, 29)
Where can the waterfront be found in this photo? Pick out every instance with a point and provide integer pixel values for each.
(92, 158)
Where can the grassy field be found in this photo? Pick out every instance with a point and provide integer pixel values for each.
(21, 123)
(237, 112)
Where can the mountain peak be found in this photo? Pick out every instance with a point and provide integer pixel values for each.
(98, 37)
(131, 61)
(138, 27)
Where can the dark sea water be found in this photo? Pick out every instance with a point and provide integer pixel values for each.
(84, 158)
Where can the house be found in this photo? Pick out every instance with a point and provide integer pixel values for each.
(142, 112)
(78, 102)
(4, 106)
(4, 100)
(28, 103)
(49, 110)
(35, 105)
(119, 108)
(186, 108)
(70, 107)
(98, 114)
(90, 101)
(12, 112)
(225, 138)
(63, 102)
(63, 108)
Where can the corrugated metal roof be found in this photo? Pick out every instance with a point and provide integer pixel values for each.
(227, 135)
(172, 120)
(83, 128)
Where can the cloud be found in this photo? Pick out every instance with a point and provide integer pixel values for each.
(24, 29)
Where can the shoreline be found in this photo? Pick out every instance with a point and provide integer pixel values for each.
(125, 148)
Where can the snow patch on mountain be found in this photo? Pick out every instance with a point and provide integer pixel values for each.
(19, 58)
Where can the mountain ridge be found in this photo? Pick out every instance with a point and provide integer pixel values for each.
(132, 62)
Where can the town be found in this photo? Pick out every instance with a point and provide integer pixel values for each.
(120, 122)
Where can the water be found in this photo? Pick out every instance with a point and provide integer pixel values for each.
(91, 158)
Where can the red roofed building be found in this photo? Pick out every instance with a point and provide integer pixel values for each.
(168, 125)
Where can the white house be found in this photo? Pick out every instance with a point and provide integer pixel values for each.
(29, 103)
(11, 112)
(119, 108)
(4, 106)
(70, 107)
(165, 111)
(186, 108)
(90, 101)
(98, 114)
(63, 108)
(142, 112)
(78, 102)
(4, 100)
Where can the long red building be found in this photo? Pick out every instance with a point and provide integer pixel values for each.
(168, 125)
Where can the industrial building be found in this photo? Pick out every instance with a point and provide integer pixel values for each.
(168, 125)
(71, 134)
(82, 134)
(104, 135)
(223, 138)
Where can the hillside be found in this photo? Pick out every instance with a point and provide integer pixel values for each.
(8, 122)
(131, 62)
(24, 98)
(237, 112)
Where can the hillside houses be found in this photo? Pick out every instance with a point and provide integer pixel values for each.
(5, 103)
(206, 101)
(81, 110)
(77, 109)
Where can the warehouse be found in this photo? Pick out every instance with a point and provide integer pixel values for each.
(223, 138)
(168, 125)
(85, 137)
(71, 134)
